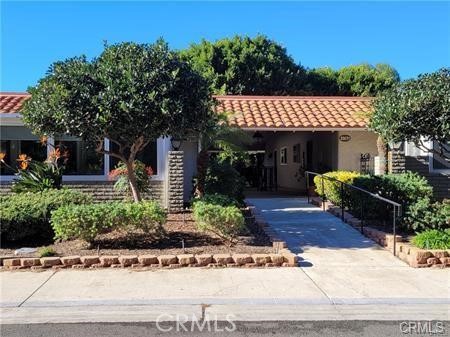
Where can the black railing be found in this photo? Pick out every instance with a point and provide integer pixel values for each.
(342, 195)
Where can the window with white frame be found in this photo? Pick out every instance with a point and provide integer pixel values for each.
(16, 141)
(283, 156)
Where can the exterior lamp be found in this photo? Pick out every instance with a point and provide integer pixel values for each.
(176, 143)
(258, 137)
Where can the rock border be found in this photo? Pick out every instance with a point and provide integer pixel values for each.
(282, 259)
(413, 256)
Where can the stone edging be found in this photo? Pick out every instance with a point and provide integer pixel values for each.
(413, 256)
(282, 259)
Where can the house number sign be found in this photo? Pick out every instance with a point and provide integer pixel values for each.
(345, 138)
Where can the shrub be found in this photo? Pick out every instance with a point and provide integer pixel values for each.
(217, 199)
(224, 221)
(143, 175)
(406, 189)
(433, 239)
(333, 189)
(87, 221)
(423, 214)
(46, 251)
(223, 178)
(26, 215)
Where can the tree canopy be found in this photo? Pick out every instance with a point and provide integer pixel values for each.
(259, 66)
(131, 94)
(247, 66)
(353, 80)
(416, 110)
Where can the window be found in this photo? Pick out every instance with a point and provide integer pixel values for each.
(296, 153)
(16, 140)
(148, 156)
(283, 156)
(82, 159)
(440, 163)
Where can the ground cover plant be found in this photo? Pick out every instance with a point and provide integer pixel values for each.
(432, 239)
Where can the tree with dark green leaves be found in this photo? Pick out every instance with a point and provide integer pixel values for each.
(246, 66)
(416, 111)
(353, 80)
(131, 94)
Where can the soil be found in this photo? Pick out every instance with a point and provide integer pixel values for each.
(180, 232)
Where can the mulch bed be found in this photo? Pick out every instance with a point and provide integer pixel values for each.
(180, 231)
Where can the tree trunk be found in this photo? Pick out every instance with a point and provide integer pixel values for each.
(202, 167)
(381, 146)
(133, 182)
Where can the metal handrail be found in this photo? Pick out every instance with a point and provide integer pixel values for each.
(396, 205)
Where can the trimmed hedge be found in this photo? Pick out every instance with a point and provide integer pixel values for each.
(87, 221)
(408, 189)
(224, 221)
(26, 215)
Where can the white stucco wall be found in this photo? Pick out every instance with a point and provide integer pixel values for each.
(349, 153)
(328, 152)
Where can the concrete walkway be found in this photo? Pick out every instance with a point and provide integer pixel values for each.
(343, 276)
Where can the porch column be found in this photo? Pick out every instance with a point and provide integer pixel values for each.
(175, 195)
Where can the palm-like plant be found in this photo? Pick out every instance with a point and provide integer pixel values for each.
(222, 137)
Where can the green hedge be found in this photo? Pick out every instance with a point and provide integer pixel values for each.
(225, 221)
(408, 189)
(87, 221)
(26, 215)
(223, 178)
(332, 189)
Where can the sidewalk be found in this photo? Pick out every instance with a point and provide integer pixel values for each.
(249, 294)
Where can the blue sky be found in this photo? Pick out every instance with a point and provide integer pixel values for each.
(414, 37)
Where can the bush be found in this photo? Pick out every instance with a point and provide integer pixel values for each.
(224, 221)
(217, 199)
(333, 189)
(433, 239)
(120, 173)
(408, 189)
(87, 221)
(46, 252)
(222, 178)
(423, 214)
(27, 215)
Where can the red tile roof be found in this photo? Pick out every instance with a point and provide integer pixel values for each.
(268, 112)
(314, 112)
(11, 102)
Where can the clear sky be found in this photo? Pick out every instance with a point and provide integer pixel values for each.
(414, 37)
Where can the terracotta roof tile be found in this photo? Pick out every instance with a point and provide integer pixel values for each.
(295, 111)
(11, 102)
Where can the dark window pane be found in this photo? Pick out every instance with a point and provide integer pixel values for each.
(148, 156)
(81, 159)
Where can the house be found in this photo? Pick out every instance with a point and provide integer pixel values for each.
(292, 134)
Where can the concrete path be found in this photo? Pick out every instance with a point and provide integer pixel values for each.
(343, 276)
